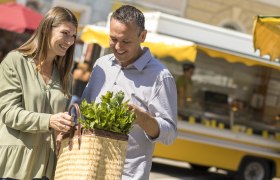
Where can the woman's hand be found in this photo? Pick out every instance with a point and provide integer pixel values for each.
(61, 122)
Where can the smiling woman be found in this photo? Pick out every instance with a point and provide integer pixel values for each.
(34, 91)
(63, 36)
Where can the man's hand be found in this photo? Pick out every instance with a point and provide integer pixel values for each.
(145, 121)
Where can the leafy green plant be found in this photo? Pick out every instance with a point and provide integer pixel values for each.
(111, 114)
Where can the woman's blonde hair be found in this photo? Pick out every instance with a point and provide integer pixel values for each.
(37, 46)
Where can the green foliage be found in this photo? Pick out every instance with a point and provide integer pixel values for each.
(111, 114)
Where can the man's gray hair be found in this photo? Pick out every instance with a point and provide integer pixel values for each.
(128, 14)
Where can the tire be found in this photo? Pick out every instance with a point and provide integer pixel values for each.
(254, 169)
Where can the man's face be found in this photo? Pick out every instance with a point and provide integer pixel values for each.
(125, 41)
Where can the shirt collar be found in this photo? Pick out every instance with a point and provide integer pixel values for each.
(143, 60)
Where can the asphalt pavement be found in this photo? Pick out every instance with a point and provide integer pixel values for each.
(163, 169)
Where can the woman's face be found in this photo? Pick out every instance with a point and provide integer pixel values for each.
(62, 37)
(125, 41)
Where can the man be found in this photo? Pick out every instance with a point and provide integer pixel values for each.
(184, 85)
(147, 83)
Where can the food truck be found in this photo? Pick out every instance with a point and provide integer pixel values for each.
(232, 122)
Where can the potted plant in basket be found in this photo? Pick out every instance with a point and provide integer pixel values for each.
(99, 149)
(111, 114)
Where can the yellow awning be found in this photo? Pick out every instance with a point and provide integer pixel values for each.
(232, 58)
(266, 34)
(160, 45)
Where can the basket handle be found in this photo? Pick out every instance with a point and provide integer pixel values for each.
(76, 127)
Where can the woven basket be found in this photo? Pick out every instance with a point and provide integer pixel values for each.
(95, 154)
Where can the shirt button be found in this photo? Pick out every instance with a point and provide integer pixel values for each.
(115, 83)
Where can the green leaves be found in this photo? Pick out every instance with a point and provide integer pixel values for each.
(111, 114)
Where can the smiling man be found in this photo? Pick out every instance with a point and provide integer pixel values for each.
(147, 83)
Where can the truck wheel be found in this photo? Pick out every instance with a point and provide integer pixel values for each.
(254, 169)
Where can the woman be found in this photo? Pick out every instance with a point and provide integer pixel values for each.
(34, 90)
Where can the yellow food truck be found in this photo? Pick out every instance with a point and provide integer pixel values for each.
(232, 122)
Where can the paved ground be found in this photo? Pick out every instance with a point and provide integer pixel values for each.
(163, 169)
(173, 170)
